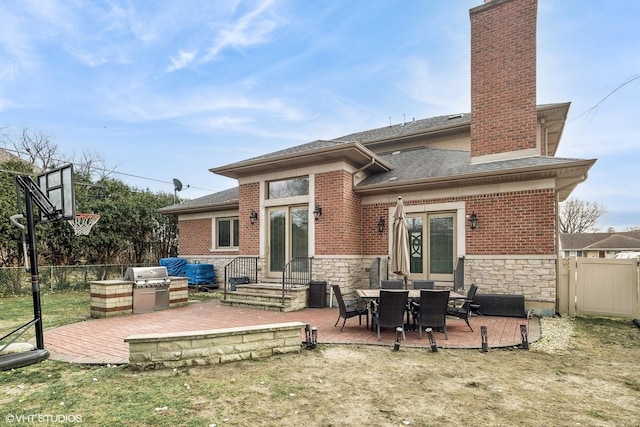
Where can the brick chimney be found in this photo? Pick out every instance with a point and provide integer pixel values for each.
(503, 80)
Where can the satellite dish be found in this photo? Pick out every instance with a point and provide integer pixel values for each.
(177, 185)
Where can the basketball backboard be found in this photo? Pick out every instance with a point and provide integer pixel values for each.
(57, 186)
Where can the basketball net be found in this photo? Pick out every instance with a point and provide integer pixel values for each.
(82, 223)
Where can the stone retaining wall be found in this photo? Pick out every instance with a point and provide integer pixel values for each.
(533, 277)
(195, 348)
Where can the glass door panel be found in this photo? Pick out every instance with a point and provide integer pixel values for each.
(300, 235)
(277, 239)
(432, 246)
(441, 248)
(416, 260)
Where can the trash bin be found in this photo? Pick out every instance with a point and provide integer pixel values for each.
(317, 294)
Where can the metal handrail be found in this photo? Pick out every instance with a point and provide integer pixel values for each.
(240, 267)
(298, 271)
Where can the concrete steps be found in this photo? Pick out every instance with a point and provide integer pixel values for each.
(267, 296)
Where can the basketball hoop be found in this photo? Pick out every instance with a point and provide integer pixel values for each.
(82, 223)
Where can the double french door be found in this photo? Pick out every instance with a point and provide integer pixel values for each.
(288, 236)
(432, 245)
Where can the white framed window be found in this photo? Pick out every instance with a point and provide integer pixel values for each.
(290, 187)
(227, 234)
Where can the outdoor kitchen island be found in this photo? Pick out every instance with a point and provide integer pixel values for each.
(142, 290)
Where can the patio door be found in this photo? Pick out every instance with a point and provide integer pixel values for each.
(432, 245)
(288, 237)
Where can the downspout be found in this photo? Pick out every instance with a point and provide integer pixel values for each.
(368, 165)
(353, 184)
(545, 136)
(558, 309)
(546, 141)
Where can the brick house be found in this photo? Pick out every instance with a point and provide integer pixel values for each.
(498, 162)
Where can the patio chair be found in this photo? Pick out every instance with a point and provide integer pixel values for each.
(423, 284)
(389, 310)
(392, 284)
(463, 311)
(431, 311)
(348, 311)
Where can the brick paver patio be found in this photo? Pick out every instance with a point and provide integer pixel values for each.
(101, 341)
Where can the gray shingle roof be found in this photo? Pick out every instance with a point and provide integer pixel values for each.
(424, 163)
(387, 132)
(408, 128)
(294, 150)
(226, 196)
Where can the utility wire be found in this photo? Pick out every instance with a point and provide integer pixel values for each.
(599, 103)
(95, 168)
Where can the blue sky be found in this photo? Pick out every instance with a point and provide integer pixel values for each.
(169, 89)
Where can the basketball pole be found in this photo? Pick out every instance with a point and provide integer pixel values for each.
(35, 279)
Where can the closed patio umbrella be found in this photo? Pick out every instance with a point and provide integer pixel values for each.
(400, 243)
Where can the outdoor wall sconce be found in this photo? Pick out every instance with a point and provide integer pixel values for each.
(381, 225)
(253, 217)
(317, 212)
(473, 221)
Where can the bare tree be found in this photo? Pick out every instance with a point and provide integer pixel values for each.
(37, 148)
(580, 216)
(93, 164)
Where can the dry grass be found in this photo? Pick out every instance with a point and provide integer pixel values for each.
(583, 372)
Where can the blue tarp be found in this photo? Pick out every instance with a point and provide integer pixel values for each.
(175, 266)
(200, 274)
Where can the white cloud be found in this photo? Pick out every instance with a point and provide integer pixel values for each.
(252, 28)
(184, 59)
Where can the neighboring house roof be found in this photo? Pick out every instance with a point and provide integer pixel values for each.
(629, 240)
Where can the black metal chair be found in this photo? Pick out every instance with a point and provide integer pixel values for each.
(392, 284)
(348, 311)
(389, 310)
(463, 311)
(423, 284)
(431, 311)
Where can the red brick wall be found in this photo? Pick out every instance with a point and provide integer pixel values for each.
(517, 223)
(338, 229)
(503, 76)
(513, 223)
(249, 234)
(194, 237)
(376, 243)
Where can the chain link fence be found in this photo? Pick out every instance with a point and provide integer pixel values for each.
(16, 281)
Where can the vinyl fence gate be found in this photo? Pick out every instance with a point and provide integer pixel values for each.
(599, 287)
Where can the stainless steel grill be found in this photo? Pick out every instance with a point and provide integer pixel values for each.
(146, 277)
(150, 288)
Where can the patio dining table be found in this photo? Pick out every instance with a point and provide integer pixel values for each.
(372, 294)
(369, 295)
